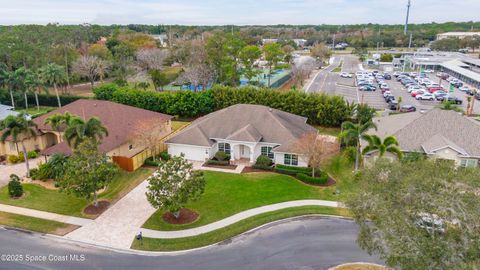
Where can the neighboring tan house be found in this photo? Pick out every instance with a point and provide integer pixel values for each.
(245, 132)
(120, 121)
(439, 134)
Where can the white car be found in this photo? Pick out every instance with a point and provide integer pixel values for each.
(384, 86)
(464, 88)
(387, 93)
(425, 96)
(428, 71)
(345, 75)
(413, 88)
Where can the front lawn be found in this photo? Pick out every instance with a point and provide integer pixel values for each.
(40, 198)
(153, 244)
(34, 112)
(227, 194)
(35, 224)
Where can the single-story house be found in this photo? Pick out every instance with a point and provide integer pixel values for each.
(120, 120)
(244, 131)
(438, 134)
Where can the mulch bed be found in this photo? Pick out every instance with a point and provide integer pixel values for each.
(101, 207)
(186, 216)
(227, 167)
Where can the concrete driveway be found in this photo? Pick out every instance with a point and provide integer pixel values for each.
(19, 169)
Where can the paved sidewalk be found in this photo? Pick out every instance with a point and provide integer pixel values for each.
(44, 215)
(19, 169)
(235, 218)
(119, 224)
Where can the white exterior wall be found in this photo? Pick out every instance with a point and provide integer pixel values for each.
(447, 153)
(280, 157)
(191, 152)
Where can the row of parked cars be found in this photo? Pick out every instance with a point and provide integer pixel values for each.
(460, 85)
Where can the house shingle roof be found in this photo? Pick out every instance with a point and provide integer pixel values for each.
(120, 121)
(244, 122)
(432, 130)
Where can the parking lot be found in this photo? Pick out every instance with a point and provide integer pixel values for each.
(333, 84)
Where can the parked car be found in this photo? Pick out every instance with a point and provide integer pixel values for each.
(407, 108)
(477, 96)
(455, 100)
(345, 75)
(470, 92)
(418, 92)
(414, 88)
(386, 93)
(425, 96)
(441, 97)
(439, 93)
(434, 89)
(431, 223)
(428, 71)
(389, 98)
(387, 76)
(367, 87)
(463, 88)
(393, 105)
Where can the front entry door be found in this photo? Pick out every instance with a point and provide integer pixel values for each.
(244, 151)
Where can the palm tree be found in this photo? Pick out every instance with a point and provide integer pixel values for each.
(33, 84)
(78, 130)
(352, 133)
(19, 128)
(389, 144)
(53, 74)
(10, 80)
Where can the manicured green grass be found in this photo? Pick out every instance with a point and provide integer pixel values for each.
(36, 113)
(227, 194)
(40, 198)
(176, 125)
(35, 224)
(333, 131)
(124, 183)
(219, 235)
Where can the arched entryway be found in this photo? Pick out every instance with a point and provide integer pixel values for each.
(51, 139)
(241, 153)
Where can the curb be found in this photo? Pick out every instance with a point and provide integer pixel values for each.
(169, 253)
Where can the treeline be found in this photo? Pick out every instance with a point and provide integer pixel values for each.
(320, 109)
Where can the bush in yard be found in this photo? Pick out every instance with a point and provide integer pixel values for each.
(218, 162)
(263, 161)
(15, 188)
(13, 159)
(320, 180)
(222, 156)
(165, 155)
(32, 154)
(150, 162)
(292, 170)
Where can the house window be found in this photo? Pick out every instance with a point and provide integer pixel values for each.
(267, 151)
(468, 163)
(290, 159)
(224, 147)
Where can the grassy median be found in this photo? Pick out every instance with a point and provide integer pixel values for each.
(235, 229)
(35, 224)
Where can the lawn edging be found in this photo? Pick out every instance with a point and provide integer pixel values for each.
(248, 225)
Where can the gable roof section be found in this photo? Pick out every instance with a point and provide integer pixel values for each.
(120, 120)
(246, 134)
(246, 122)
(437, 129)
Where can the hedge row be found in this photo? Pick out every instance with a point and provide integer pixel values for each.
(320, 109)
(43, 99)
(320, 180)
(218, 162)
(293, 168)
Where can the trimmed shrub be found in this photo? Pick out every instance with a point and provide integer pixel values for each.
(150, 162)
(218, 162)
(165, 155)
(292, 170)
(15, 188)
(262, 167)
(263, 161)
(320, 180)
(32, 154)
(222, 156)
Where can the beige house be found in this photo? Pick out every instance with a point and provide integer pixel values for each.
(244, 131)
(121, 121)
(438, 134)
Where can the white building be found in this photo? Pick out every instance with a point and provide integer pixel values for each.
(459, 35)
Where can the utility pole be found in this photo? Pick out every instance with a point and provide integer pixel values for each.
(406, 21)
(333, 45)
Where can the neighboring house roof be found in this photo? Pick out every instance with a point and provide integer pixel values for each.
(244, 122)
(120, 121)
(6, 110)
(432, 131)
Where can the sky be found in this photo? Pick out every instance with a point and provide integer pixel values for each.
(239, 12)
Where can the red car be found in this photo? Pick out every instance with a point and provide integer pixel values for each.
(417, 92)
(434, 89)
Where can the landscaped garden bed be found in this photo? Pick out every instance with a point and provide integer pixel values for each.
(186, 216)
(228, 167)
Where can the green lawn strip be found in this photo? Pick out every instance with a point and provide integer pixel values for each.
(124, 183)
(154, 244)
(36, 113)
(35, 224)
(333, 131)
(176, 125)
(339, 68)
(227, 194)
(342, 171)
(40, 198)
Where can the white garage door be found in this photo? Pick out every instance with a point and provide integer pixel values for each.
(191, 153)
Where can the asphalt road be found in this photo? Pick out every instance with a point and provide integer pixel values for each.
(302, 243)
